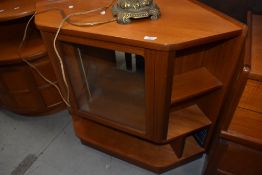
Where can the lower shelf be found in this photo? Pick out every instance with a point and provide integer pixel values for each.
(186, 121)
(157, 158)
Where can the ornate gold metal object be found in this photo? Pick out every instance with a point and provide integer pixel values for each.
(125, 10)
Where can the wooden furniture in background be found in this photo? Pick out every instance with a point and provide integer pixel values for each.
(159, 116)
(22, 90)
(238, 149)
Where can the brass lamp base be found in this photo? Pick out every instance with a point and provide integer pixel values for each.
(125, 10)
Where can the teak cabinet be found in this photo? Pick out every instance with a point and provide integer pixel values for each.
(22, 90)
(238, 148)
(162, 111)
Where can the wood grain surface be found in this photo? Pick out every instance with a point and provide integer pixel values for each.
(15, 9)
(188, 27)
(196, 52)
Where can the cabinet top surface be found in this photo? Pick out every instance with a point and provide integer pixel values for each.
(16, 9)
(182, 23)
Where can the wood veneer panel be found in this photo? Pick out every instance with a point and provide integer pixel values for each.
(252, 96)
(245, 127)
(192, 84)
(246, 124)
(232, 158)
(256, 49)
(186, 121)
(16, 9)
(154, 157)
(194, 27)
(239, 160)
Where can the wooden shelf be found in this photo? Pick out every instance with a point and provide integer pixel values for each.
(192, 84)
(185, 122)
(154, 157)
(33, 48)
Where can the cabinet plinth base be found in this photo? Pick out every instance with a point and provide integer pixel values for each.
(157, 158)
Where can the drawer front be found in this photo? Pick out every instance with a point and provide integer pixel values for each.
(237, 159)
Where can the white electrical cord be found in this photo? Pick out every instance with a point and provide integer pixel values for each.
(84, 73)
(78, 24)
(34, 67)
(47, 80)
(66, 18)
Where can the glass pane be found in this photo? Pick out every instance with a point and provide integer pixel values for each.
(113, 86)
